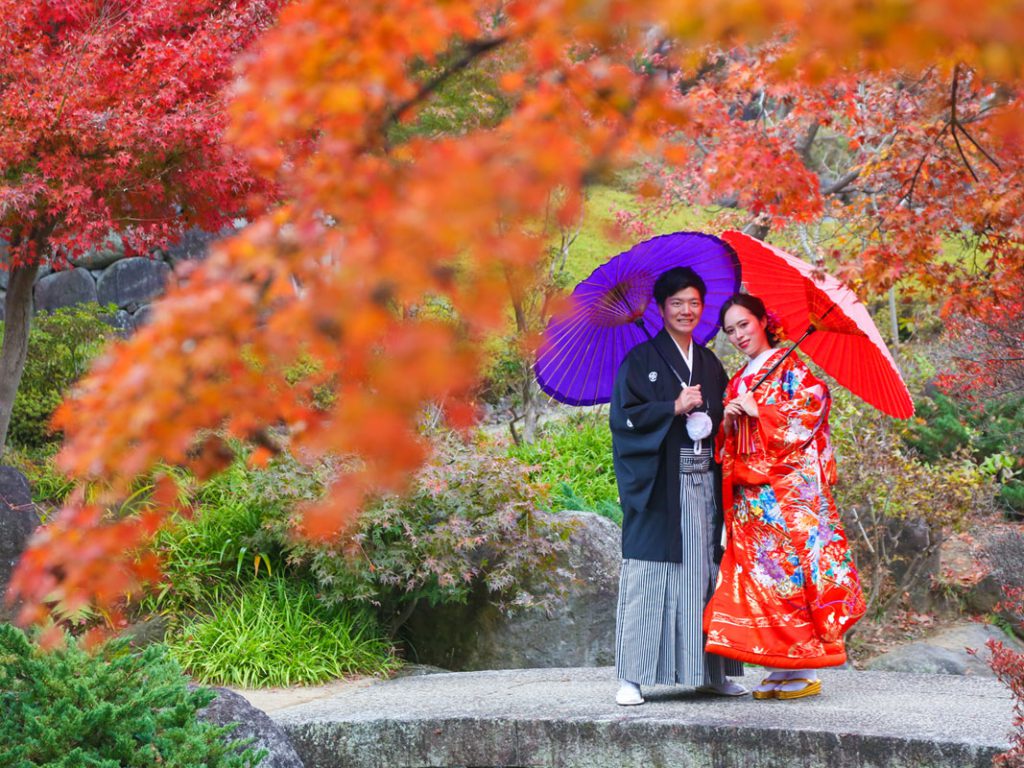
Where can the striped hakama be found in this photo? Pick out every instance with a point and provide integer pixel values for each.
(659, 637)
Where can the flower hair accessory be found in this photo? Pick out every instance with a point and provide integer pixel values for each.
(774, 326)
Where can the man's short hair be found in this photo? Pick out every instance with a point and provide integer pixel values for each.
(672, 281)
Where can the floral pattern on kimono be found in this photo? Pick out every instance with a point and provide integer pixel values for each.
(788, 589)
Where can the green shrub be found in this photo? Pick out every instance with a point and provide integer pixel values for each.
(277, 633)
(938, 428)
(61, 346)
(113, 709)
(1011, 496)
(574, 457)
(471, 518)
(943, 426)
(885, 489)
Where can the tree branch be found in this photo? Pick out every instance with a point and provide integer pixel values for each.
(841, 183)
(474, 50)
(803, 146)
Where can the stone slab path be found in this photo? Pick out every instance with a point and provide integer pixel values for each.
(567, 717)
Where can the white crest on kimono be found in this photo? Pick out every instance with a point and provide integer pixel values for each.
(629, 423)
(653, 375)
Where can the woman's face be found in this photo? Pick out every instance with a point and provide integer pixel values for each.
(745, 331)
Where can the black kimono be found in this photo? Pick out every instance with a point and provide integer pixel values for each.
(647, 437)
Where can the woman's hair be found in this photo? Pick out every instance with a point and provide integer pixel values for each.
(755, 306)
(672, 281)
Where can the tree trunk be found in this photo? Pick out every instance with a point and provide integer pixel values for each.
(759, 227)
(893, 318)
(531, 408)
(15, 344)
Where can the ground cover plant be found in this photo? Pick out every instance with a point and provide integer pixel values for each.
(573, 457)
(277, 631)
(61, 346)
(110, 708)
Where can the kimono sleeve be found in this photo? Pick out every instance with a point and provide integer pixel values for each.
(639, 425)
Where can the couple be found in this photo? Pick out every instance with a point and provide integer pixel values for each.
(682, 434)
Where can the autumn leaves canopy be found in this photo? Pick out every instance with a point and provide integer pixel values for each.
(380, 265)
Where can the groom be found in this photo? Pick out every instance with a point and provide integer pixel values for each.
(666, 408)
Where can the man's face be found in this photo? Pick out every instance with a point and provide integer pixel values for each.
(682, 310)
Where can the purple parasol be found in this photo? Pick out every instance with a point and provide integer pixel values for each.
(613, 310)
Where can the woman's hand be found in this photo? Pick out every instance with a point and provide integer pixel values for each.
(733, 410)
(747, 404)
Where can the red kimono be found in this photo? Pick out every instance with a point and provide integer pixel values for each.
(788, 589)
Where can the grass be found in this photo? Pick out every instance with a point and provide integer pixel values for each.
(209, 555)
(597, 241)
(574, 458)
(278, 633)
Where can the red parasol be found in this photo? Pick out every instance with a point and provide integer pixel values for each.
(834, 327)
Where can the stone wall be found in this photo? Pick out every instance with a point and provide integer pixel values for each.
(106, 275)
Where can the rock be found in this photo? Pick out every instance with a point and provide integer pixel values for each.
(946, 653)
(103, 255)
(18, 519)
(3, 305)
(64, 289)
(977, 567)
(132, 282)
(121, 321)
(193, 245)
(568, 718)
(418, 670)
(146, 632)
(141, 315)
(578, 633)
(230, 707)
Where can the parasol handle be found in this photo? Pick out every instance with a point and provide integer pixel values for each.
(640, 322)
(782, 359)
(810, 329)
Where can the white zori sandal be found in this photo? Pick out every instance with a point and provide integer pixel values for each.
(628, 695)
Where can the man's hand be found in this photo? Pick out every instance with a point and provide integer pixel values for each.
(688, 399)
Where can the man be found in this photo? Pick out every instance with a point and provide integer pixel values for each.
(665, 410)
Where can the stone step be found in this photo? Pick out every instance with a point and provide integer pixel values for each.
(568, 718)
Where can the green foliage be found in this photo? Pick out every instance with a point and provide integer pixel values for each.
(938, 429)
(992, 436)
(506, 368)
(1011, 496)
(239, 615)
(218, 549)
(61, 345)
(277, 632)
(574, 457)
(49, 485)
(469, 100)
(470, 518)
(115, 709)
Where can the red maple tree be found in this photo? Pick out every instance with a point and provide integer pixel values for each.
(391, 259)
(902, 176)
(113, 113)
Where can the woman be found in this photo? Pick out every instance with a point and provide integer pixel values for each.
(788, 589)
